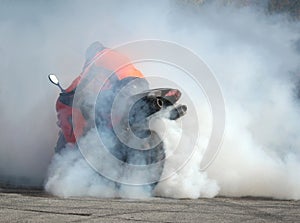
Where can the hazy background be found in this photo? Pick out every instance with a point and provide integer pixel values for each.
(251, 46)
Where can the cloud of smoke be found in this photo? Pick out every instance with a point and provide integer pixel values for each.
(71, 173)
(254, 57)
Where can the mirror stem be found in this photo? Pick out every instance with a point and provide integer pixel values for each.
(61, 89)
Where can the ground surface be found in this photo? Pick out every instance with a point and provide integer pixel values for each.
(36, 206)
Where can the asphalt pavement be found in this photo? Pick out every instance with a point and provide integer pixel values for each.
(19, 205)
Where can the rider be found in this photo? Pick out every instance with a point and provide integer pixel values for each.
(103, 69)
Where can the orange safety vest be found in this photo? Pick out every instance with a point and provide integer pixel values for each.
(110, 60)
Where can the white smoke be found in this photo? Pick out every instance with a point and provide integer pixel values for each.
(71, 174)
(74, 174)
(188, 181)
(253, 55)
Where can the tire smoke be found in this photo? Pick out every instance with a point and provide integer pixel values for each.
(254, 55)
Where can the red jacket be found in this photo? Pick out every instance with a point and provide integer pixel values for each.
(112, 61)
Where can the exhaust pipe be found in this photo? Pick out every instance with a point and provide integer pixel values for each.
(156, 104)
(159, 103)
(178, 112)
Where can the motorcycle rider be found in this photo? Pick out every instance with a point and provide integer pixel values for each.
(109, 79)
(103, 68)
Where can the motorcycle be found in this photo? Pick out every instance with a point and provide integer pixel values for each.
(139, 108)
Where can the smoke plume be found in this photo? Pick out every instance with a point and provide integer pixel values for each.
(254, 56)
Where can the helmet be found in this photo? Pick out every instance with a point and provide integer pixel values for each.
(91, 51)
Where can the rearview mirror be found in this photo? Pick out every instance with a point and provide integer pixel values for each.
(54, 80)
